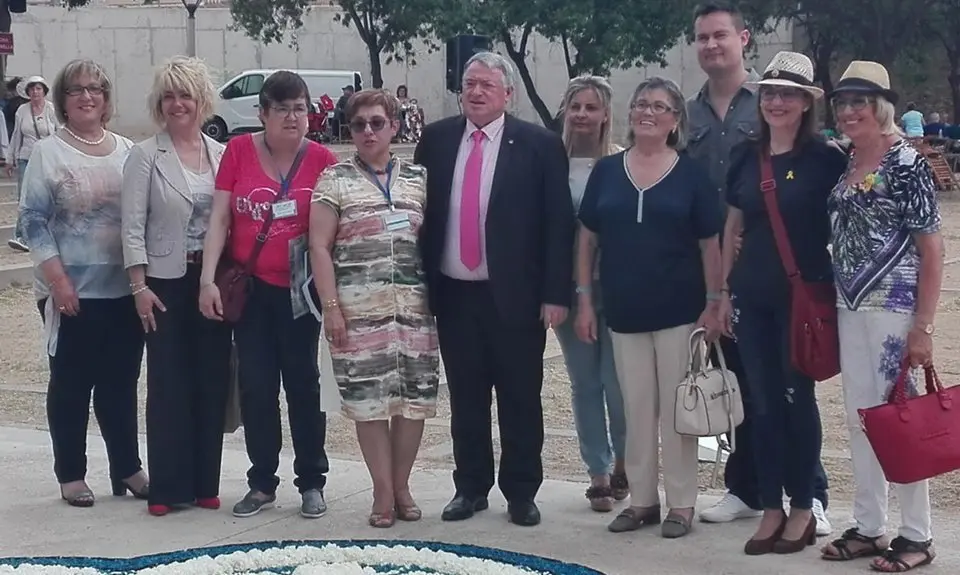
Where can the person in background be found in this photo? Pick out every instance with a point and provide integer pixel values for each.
(888, 268)
(340, 110)
(12, 101)
(495, 294)
(934, 126)
(71, 218)
(652, 208)
(364, 222)
(587, 133)
(786, 419)
(723, 114)
(34, 120)
(259, 175)
(167, 198)
(912, 121)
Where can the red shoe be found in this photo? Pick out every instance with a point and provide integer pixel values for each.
(159, 510)
(209, 502)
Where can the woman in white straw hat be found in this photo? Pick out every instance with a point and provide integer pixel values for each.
(888, 268)
(786, 420)
(35, 119)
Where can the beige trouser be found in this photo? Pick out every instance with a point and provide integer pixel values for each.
(650, 366)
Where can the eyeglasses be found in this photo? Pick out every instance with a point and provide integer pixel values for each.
(92, 89)
(657, 107)
(359, 125)
(786, 94)
(297, 111)
(856, 103)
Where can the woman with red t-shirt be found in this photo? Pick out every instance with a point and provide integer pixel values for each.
(275, 172)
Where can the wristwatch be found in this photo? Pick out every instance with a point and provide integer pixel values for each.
(583, 290)
(927, 328)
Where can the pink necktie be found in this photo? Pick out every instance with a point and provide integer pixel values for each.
(470, 205)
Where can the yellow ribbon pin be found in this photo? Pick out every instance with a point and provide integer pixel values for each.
(789, 174)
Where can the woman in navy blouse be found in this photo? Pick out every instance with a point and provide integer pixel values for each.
(657, 219)
(786, 422)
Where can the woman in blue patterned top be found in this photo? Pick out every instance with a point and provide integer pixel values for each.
(888, 267)
(70, 212)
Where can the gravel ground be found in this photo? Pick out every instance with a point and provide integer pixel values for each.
(23, 379)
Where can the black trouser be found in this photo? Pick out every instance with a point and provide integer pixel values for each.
(99, 350)
(481, 353)
(270, 343)
(188, 376)
(786, 420)
(740, 472)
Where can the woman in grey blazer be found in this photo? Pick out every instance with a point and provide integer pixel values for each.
(167, 197)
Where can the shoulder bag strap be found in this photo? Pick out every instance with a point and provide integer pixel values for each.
(768, 187)
(268, 220)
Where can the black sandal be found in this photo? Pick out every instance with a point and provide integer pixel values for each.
(842, 545)
(900, 547)
(619, 486)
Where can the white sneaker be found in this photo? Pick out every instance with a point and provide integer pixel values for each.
(823, 524)
(730, 507)
(18, 244)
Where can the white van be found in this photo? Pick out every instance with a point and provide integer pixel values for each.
(237, 111)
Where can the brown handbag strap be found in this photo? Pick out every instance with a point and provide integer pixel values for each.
(768, 186)
(268, 220)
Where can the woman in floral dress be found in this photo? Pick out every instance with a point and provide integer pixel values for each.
(364, 221)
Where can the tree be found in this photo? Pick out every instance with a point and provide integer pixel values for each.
(387, 27)
(943, 23)
(596, 35)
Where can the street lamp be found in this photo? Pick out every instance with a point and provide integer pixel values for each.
(191, 6)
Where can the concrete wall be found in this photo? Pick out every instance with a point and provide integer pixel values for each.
(129, 41)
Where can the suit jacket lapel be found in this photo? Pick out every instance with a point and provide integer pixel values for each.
(168, 165)
(447, 158)
(504, 168)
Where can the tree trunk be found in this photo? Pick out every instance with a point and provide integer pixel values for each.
(519, 57)
(376, 68)
(954, 78)
(822, 57)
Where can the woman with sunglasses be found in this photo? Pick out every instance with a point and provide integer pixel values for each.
(364, 222)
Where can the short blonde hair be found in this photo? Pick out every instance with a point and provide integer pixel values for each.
(886, 114)
(182, 74)
(68, 74)
(605, 93)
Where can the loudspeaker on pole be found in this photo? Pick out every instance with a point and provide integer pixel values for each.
(459, 50)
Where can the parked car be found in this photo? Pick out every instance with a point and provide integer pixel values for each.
(238, 109)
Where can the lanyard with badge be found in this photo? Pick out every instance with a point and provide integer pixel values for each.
(393, 221)
(282, 207)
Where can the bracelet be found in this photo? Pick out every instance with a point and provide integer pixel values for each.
(135, 285)
(713, 296)
(140, 290)
(583, 290)
(331, 303)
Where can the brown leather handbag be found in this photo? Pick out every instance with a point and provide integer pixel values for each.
(234, 279)
(814, 339)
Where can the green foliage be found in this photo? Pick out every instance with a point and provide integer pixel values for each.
(267, 20)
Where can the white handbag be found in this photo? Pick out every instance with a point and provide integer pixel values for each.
(708, 399)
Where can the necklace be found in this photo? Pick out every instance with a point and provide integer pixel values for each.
(367, 166)
(103, 136)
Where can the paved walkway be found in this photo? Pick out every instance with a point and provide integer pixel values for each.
(34, 522)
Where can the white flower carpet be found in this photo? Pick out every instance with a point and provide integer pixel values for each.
(308, 558)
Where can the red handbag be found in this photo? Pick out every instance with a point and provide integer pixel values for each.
(915, 438)
(814, 339)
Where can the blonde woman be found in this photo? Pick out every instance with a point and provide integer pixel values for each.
(70, 210)
(587, 122)
(167, 198)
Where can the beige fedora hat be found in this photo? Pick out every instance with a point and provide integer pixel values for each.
(792, 70)
(866, 77)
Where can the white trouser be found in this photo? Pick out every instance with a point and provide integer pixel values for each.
(872, 345)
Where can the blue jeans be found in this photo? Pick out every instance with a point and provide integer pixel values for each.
(596, 393)
(786, 429)
(21, 169)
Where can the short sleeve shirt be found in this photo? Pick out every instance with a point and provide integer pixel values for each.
(804, 180)
(252, 192)
(651, 270)
(875, 259)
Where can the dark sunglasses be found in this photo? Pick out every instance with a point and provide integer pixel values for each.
(359, 125)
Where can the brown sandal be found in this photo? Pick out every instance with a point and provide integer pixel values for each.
(408, 512)
(601, 498)
(619, 486)
(382, 520)
(899, 547)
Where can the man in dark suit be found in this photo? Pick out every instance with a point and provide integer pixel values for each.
(497, 246)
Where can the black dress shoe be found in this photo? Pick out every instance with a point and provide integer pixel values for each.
(523, 513)
(463, 507)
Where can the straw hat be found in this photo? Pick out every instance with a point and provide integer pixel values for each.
(866, 78)
(792, 70)
(22, 86)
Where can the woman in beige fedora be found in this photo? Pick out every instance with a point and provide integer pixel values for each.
(786, 421)
(888, 267)
(167, 198)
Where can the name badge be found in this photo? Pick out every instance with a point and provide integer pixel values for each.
(285, 209)
(396, 221)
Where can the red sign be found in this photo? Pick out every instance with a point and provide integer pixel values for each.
(6, 43)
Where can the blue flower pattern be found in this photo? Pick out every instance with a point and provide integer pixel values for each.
(891, 362)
